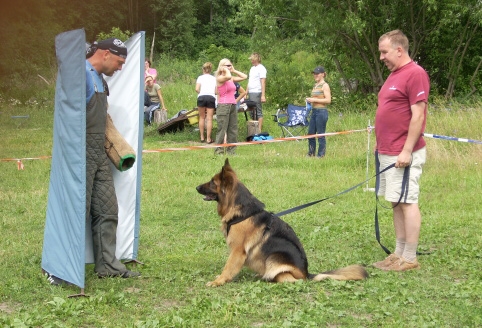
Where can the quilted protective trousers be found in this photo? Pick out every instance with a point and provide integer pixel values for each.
(101, 200)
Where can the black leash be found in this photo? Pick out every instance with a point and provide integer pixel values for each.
(403, 194)
(300, 207)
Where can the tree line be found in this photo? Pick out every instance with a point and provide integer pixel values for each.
(340, 34)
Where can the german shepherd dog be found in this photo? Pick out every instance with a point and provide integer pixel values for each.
(259, 239)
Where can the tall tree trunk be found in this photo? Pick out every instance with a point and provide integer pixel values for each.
(472, 87)
(345, 79)
(369, 58)
(132, 12)
(211, 13)
(456, 63)
(152, 47)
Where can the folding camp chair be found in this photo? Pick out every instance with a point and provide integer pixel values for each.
(293, 121)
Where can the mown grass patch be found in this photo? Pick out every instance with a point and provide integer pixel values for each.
(183, 249)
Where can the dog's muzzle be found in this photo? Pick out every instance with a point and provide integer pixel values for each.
(208, 196)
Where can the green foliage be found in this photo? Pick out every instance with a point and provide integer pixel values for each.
(289, 78)
(456, 71)
(215, 53)
(171, 69)
(214, 26)
(26, 48)
(28, 30)
(444, 36)
(174, 30)
(115, 32)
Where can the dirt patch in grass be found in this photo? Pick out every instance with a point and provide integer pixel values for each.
(4, 307)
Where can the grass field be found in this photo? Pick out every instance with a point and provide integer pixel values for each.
(182, 247)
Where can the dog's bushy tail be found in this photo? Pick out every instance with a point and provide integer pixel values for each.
(352, 272)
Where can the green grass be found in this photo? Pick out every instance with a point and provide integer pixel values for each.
(182, 247)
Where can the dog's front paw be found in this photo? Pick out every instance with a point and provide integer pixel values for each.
(215, 283)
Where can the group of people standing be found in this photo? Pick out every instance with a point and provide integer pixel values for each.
(222, 92)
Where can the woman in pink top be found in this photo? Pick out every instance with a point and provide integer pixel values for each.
(148, 71)
(226, 113)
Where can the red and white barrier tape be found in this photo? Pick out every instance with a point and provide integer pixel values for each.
(20, 165)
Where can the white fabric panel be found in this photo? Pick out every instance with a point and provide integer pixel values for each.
(126, 106)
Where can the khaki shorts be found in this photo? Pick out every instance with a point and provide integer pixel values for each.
(391, 180)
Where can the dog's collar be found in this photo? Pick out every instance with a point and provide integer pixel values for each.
(238, 219)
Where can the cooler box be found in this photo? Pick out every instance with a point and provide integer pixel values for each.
(193, 117)
(253, 128)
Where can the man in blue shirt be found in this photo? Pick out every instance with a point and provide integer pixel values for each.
(105, 57)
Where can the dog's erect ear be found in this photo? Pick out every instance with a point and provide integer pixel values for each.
(226, 167)
(227, 173)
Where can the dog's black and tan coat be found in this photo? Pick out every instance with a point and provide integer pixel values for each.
(259, 239)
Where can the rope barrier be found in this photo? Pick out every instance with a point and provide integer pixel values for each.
(164, 150)
(23, 159)
(436, 136)
(20, 165)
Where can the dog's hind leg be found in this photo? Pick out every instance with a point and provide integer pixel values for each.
(285, 277)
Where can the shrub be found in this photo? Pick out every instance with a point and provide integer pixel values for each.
(115, 32)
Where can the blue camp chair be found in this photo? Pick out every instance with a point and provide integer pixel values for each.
(293, 121)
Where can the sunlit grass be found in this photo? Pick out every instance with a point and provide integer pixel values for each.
(182, 247)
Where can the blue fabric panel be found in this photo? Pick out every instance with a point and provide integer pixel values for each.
(63, 253)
